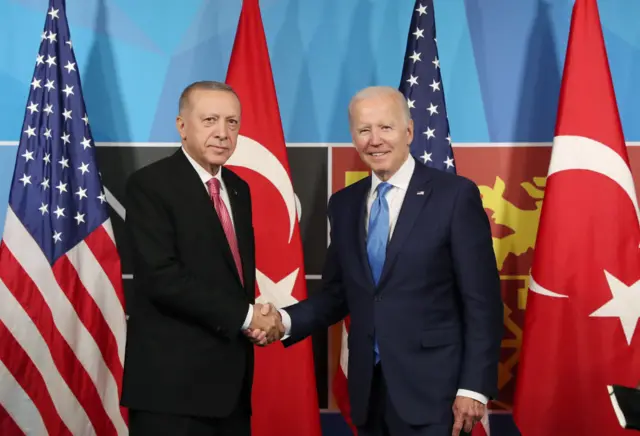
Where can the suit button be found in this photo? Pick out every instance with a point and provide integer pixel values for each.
(377, 298)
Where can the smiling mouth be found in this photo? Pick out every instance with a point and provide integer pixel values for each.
(378, 153)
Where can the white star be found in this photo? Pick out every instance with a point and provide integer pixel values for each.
(86, 143)
(67, 114)
(85, 119)
(419, 33)
(624, 305)
(53, 13)
(31, 131)
(59, 212)
(70, 67)
(102, 197)
(44, 208)
(421, 9)
(413, 80)
(79, 218)
(40, 59)
(28, 155)
(68, 90)
(47, 158)
(44, 35)
(415, 57)
(448, 138)
(432, 109)
(436, 62)
(36, 83)
(69, 43)
(435, 85)
(449, 162)
(64, 163)
(52, 38)
(279, 294)
(33, 107)
(47, 133)
(65, 138)
(426, 157)
(411, 104)
(49, 109)
(62, 187)
(45, 184)
(51, 60)
(50, 85)
(84, 168)
(26, 180)
(57, 237)
(430, 133)
(81, 193)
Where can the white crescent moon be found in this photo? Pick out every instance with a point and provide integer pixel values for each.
(580, 153)
(254, 156)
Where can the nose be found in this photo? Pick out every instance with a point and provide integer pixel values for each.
(221, 130)
(375, 138)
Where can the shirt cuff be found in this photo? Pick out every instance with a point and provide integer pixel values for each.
(247, 320)
(286, 322)
(470, 394)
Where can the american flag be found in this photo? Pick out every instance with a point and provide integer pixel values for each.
(62, 318)
(421, 84)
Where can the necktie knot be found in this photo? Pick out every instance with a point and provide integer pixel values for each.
(383, 188)
(214, 186)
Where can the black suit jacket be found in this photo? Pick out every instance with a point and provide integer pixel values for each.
(436, 312)
(185, 352)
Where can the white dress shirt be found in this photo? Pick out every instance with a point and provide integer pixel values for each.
(395, 196)
(205, 176)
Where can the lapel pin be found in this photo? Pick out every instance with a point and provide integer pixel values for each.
(420, 193)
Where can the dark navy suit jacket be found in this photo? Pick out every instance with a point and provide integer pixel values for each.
(437, 310)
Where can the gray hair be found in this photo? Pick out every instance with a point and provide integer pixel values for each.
(206, 85)
(377, 91)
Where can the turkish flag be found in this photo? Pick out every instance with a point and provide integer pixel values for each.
(584, 294)
(285, 400)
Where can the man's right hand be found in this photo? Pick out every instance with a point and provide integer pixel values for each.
(266, 325)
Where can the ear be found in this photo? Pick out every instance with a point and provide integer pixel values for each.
(180, 127)
(410, 132)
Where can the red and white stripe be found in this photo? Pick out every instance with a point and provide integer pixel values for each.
(62, 336)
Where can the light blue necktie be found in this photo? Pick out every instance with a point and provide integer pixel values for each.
(377, 237)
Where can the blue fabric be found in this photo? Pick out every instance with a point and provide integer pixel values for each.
(378, 236)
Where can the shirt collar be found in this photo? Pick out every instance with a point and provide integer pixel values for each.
(202, 173)
(400, 179)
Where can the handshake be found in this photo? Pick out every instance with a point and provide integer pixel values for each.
(266, 325)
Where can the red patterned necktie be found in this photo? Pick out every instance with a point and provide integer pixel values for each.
(225, 220)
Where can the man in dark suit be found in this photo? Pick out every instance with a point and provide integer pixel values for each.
(188, 367)
(411, 261)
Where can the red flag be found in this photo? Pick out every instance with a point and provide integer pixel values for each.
(580, 324)
(285, 400)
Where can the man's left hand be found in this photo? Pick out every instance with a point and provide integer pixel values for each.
(466, 412)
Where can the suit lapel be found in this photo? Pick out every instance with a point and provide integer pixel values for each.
(360, 223)
(205, 211)
(415, 198)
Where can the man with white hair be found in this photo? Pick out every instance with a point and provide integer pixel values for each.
(411, 261)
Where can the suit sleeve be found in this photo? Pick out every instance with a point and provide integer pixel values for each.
(324, 308)
(478, 281)
(164, 279)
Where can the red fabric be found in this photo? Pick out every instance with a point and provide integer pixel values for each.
(285, 401)
(580, 322)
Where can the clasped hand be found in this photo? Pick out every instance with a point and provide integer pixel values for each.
(266, 325)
